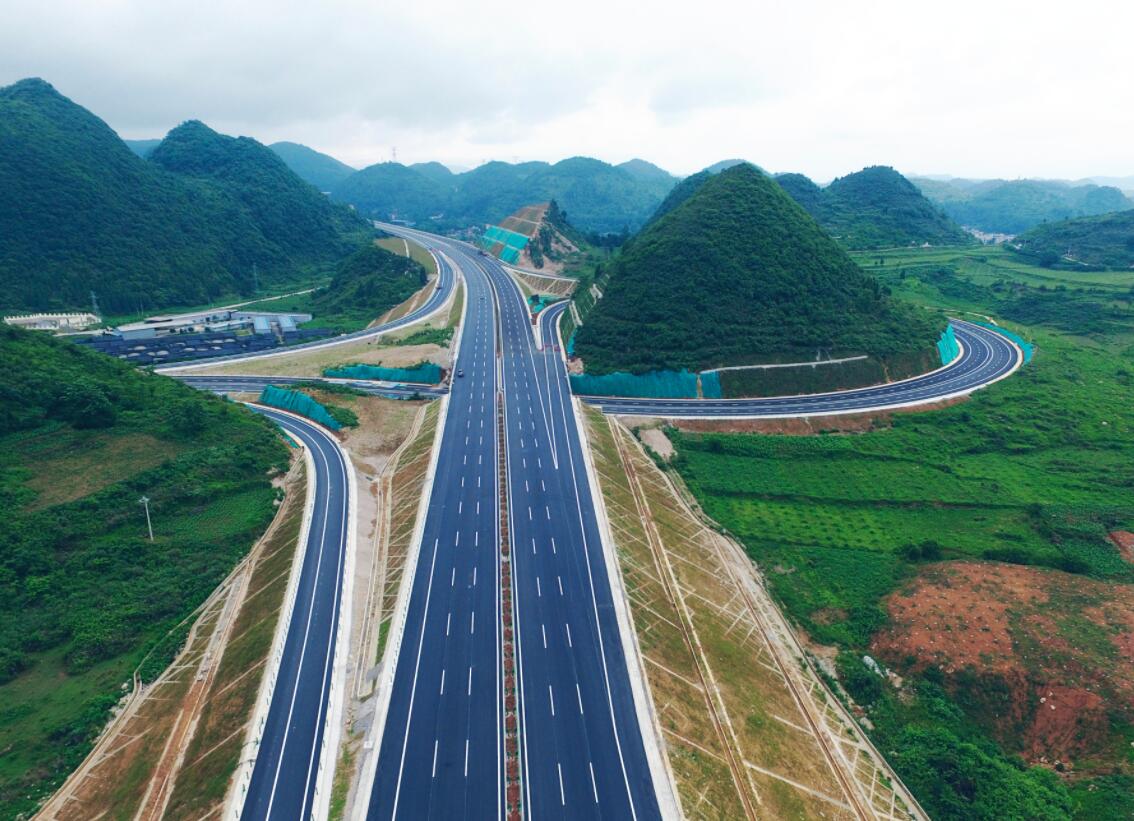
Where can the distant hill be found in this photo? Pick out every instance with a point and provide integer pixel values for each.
(83, 213)
(874, 208)
(435, 171)
(596, 196)
(1012, 207)
(366, 284)
(680, 193)
(739, 273)
(143, 147)
(723, 165)
(1104, 241)
(321, 170)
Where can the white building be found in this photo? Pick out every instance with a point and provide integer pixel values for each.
(53, 322)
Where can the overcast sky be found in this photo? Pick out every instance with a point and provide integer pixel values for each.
(992, 88)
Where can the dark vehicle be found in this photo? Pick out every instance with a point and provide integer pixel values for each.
(460, 373)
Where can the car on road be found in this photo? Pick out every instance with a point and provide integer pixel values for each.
(460, 373)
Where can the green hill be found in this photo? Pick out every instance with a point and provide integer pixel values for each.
(739, 273)
(84, 593)
(597, 197)
(81, 212)
(366, 285)
(321, 170)
(874, 208)
(1012, 207)
(291, 214)
(1105, 241)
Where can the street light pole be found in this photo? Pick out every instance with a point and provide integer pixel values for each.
(145, 500)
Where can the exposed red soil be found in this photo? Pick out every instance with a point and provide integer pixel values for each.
(1045, 655)
(1124, 541)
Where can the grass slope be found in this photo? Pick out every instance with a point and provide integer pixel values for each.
(84, 595)
(82, 212)
(736, 273)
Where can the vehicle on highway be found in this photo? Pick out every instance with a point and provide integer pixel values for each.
(460, 373)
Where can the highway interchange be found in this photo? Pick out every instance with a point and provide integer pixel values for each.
(441, 748)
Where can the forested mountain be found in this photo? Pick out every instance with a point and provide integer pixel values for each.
(739, 273)
(1011, 207)
(596, 196)
(81, 212)
(1104, 241)
(366, 284)
(680, 193)
(723, 165)
(321, 170)
(874, 208)
(143, 147)
(291, 214)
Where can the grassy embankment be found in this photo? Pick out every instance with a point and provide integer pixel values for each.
(1033, 471)
(86, 595)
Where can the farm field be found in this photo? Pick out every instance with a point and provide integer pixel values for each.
(874, 542)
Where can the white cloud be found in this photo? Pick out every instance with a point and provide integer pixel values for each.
(971, 88)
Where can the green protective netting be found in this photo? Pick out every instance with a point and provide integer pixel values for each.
(510, 255)
(711, 385)
(1026, 347)
(494, 233)
(297, 402)
(655, 385)
(427, 373)
(947, 346)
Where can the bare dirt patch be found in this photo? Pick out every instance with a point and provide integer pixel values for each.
(1124, 541)
(313, 362)
(656, 440)
(1043, 656)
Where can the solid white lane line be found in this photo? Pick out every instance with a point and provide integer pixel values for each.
(594, 787)
(562, 796)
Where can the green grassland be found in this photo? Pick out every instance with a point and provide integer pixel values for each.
(85, 597)
(1033, 470)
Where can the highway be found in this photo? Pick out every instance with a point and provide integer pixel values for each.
(255, 384)
(283, 780)
(986, 357)
(441, 748)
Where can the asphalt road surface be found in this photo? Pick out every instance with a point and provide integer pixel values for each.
(441, 751)
(287, 760)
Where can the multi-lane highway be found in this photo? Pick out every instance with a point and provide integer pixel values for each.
(441, 748)
(440, 737)
(284, 778)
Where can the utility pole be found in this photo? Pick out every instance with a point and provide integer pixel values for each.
(145, 500)
(94, 305)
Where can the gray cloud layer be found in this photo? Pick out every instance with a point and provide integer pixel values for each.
(821, 87)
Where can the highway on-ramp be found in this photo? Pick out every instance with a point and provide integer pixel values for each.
(284, 778)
